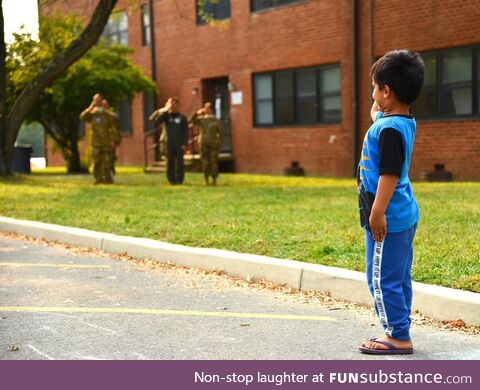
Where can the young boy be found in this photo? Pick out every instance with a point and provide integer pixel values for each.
(388, 209)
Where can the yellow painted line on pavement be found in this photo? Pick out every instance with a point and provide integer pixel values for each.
(52, 265)
(162, 312)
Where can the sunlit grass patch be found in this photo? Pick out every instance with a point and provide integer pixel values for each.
(308, 219)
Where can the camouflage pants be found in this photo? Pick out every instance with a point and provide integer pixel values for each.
(209, 156)
(102, 164)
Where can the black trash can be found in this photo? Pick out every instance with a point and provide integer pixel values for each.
(21, 158)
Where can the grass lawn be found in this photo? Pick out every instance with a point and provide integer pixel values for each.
(308, 219)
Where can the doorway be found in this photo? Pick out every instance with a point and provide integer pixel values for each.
(216, 92)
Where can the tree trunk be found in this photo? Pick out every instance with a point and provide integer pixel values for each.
(4, 161)
(67, 142)
(10, 125)
(74, 164)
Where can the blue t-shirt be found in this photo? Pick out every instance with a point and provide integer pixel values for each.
(387, 148)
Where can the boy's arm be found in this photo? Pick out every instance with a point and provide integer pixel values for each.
(378, 222)
(374, 111)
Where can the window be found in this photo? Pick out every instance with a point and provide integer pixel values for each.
(478, 81)
(125, 117)
(307, 96)
(457, 83)
(212, 9)
(258, 5)
(298, 96)
(148, 108)
(426, 105)
(330, 100)
(262, 85)
(284, 109)
(452, 84)
(116, 29)
(145, 15)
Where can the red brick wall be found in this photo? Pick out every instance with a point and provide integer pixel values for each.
(424, 25)
(130, 152)
(307, 33)
(255, 42)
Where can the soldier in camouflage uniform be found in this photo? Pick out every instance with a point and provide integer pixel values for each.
(114, 133)
(104, 126)
(209, 140)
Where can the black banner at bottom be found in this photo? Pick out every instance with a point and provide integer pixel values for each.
(239, 374)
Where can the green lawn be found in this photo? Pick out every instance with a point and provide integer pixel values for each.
(308, 219)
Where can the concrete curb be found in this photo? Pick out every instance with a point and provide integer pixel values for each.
(433, 301)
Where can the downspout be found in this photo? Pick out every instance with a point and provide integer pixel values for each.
(355, 134)
(152, 46)
(156, 136)
(370, 32)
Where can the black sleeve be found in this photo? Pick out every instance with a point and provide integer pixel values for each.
(159, 116)
(163, 117)
(392, 155)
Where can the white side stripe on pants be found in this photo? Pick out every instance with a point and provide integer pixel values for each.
(377, 286)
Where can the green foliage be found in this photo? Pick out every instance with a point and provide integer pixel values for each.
(307, 219)
(105, 68)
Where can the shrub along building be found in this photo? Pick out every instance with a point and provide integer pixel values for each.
(290, 78)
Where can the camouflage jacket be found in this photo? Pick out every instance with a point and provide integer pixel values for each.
(105, 130)
(210, 129)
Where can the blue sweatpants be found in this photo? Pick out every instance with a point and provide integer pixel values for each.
(389, 276)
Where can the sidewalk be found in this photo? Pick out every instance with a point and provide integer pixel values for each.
(437, 302)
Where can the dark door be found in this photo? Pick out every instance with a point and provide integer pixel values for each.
(216, 92)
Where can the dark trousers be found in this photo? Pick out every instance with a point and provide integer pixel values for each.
(209, 156)
(175, 165)
(389, 266)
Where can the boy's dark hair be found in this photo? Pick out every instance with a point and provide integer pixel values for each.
(403, 71)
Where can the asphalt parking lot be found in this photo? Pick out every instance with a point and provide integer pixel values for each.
(58, 303)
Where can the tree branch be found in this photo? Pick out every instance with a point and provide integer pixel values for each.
(3, 91)
(3, 56)
(56, 67)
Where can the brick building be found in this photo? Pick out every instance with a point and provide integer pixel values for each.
(291, 77)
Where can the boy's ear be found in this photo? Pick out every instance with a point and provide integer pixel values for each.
(386, 91)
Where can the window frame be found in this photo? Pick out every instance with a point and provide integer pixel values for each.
(117, 33)
(271, 99)
(274, 97)
(440, 87)
(322, 94)
(146, 28)
(272, 6)
(295, 101)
